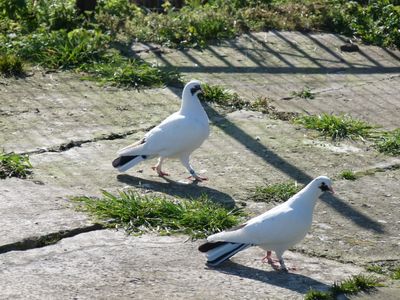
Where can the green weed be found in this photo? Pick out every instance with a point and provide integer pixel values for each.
(389, 142)
(11, 65)
(336, 127)
(187, 27)
(137, 214)
(305, 93)
(396, 273)
(348, 175)
(318, 295)
(62, 49)
(122, 72)
(278, 192)
(354, 285)
(351, 286)
(14, 165)
(217, 94)
(375, 269)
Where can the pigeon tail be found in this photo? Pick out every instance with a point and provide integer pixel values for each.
(123, 163)
(219, 252)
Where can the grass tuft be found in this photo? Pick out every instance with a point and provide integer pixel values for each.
(354, 285)
(137, 214)
(351, 286)
(217, 94)
(62, 49)
(122, 72)
(336, 127)
(278, 192)
(375, 269)
(348, 175)
(11, 65)
(188, 27)
(317, 295)
(305, 93)
(389, 143)
(14, 165)
(396, 273)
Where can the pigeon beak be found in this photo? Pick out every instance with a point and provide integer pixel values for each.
(331, 190)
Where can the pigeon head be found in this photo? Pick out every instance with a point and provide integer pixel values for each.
(324, 184)
(192, 88)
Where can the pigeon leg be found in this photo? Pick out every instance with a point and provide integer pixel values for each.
(283, 266)
(269, 260)
(193, 176)
(157, 168)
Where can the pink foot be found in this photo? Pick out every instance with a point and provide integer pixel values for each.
(159, 172)
(272, 262)
(197, 177)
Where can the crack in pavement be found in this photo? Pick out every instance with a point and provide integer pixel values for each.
(77, 143)
(47, 239)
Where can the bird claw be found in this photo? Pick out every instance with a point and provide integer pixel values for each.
(159, 172)
(197, 178)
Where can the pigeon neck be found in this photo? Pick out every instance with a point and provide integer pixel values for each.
(307, 197)
(190, 105)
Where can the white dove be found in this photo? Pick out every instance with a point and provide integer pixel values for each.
(276, 230)
(175, 137)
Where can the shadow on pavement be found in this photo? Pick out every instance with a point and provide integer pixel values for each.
(292, 281)
(178, 189)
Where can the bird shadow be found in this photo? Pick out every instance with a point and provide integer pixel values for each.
(178, 189)
(292, 281)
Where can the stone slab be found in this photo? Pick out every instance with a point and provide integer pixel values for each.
(110, 265)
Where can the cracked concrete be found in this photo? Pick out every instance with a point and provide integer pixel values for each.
(72, 129)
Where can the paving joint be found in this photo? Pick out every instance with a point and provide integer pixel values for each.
(48, 239)
(77, 143)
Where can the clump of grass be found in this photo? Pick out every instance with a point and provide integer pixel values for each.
(305, 93)
(375, 269)
(11, 65)
(354, 285)
(336, 127)
(389, 142)
(351, 286)
(188, 27)
(348, 175)
(217, 94)
(137, 214)
(263, 104)
(278, 192)
(14, 165)
(122, 72)
(396, 273)
(62, 49)
(317, 295)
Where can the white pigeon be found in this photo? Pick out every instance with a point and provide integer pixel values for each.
(275, 230)
(176, 137)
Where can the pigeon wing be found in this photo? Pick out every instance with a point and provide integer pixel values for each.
(277, 226)
(174, 135)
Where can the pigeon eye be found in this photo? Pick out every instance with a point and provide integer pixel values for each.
(194, 89)
(324, 187)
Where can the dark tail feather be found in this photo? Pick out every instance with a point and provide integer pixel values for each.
(219, 252)
(208, 246)
(121, 160)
